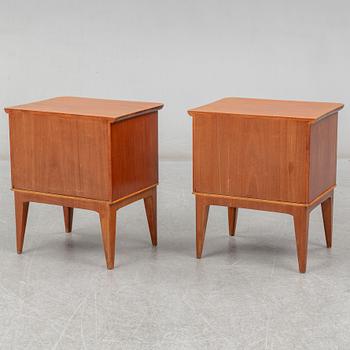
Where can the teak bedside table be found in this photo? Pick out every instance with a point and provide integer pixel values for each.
(267, 155)
(85, 153)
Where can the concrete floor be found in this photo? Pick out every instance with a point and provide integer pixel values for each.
(245, 293)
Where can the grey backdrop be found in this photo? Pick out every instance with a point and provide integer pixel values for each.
(182, 53)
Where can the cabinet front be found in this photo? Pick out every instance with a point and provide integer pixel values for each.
(254, 157)
(59, 154)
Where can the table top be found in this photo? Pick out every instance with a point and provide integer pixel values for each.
(269, 108)
(90, 107)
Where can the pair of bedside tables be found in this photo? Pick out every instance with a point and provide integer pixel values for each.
(101, 155)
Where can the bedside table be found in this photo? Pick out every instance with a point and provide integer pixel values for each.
(270, 155)
(85, 153)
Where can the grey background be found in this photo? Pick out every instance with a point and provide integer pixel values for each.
(182, 53)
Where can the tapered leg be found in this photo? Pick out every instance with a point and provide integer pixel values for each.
(301, 226)
(21, 212)
(108, 226)
(202, 211)
(68, 218)
(151, 213)
(232, 220)
(327, 214)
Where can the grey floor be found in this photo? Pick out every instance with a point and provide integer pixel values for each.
(245, 293)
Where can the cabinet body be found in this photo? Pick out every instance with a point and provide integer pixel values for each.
(264, 158)
(84, 157)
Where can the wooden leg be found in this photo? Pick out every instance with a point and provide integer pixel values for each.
(301, 226)
(21, 212)
(68, 218)
(327, 214)
(232, 220)
(151, 213)
(202, 211)
(108, 226)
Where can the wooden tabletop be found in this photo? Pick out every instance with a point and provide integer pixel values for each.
(90, 107)
(268, 108)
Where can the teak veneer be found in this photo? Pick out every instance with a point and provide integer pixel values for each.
(85, 153)
(266, 155)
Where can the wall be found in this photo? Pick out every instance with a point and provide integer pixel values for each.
(182, 53)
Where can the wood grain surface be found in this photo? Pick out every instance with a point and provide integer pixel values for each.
(323, 155)
(251, 157)
(110, 110)
(134, 154)
(60, 155)
(268, 108)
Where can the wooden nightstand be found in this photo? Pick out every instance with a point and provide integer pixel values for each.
(85, 153)
(267, 155)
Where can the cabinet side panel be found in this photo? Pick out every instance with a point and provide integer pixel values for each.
(59, 154)
(134, 154)
(263, 158)
(323, 155)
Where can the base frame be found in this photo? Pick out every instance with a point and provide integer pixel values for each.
(106, 210)
(299, 211)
